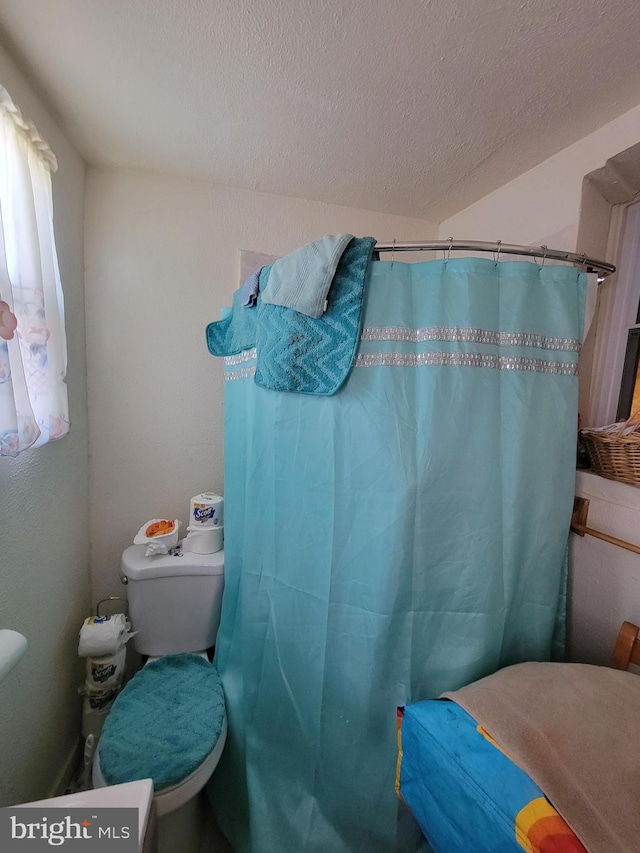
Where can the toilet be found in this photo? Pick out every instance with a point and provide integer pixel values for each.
(168, 723)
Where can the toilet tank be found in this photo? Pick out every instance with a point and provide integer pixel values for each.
(174, 601)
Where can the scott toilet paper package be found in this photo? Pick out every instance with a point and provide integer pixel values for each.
(107, 671)
(103, 635)
(95, 708)
(206, 524)
(103, 644)
(206, 511)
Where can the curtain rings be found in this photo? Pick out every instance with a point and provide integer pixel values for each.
(496, 254)
(393, 250)
(449, 249)
(544, 256)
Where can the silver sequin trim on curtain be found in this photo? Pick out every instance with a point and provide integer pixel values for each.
(475, 336)
(243, 373)
(241, 358)
(438, 359)
(463, 359)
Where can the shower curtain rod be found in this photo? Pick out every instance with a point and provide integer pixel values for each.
(592, 265)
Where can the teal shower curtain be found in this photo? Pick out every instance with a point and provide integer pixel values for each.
(401, 538)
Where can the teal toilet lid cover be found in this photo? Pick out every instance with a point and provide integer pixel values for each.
(165, 722)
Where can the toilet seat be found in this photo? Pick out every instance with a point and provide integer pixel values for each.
(169, 725)
(172, 798)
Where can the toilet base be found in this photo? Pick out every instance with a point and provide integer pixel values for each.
(191, 829)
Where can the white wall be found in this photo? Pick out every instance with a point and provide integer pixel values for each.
(543, 206)
(44, 543)
(162, 259)
(605, 581)
(545, 201)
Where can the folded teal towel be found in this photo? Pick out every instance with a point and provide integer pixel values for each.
(237, 331)
(306, 355)
(301, 279)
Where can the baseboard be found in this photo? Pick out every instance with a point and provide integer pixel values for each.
(68, 769)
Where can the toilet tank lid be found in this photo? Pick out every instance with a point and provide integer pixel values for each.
(138, 567)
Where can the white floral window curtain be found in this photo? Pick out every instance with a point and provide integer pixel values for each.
(33, 352)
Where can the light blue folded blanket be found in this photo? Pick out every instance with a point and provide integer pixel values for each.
(301, 279)
(250, 290)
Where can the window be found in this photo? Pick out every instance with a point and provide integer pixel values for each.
(33, 354)
(610, 228)
(629, 400)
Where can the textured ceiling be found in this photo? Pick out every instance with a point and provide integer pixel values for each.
(417, 107)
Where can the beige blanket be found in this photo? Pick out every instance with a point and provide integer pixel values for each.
(575, 729)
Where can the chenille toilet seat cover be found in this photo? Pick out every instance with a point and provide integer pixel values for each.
(165, 722)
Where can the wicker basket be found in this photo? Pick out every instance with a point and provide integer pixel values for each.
(613, 456)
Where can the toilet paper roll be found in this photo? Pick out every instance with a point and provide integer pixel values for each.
(103, 635)
(205, 541)
(107, 671)
(206, 511)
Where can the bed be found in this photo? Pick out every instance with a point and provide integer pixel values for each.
(469, 794)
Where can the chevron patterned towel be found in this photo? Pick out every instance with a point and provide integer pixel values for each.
(314, 356)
